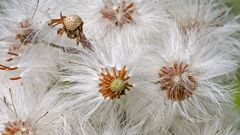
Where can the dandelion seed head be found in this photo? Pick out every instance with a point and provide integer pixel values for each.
(18, 127)
(119, 14)
(26, 34)
(177, 81)
(114, 85)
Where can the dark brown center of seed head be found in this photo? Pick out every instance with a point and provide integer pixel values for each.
(177, 81)
(120, 14)
(18, 127)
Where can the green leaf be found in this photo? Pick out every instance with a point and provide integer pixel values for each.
(238, 96)
(235, 4)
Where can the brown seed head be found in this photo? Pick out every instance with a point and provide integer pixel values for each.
(177, 81)
(119, 15)
(114, 84)
(18, 127)
(27, 34)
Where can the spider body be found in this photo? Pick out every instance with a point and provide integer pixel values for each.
(73, 27)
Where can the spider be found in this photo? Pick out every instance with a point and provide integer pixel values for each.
(73, 27)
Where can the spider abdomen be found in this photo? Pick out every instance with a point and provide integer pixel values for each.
(72, 22)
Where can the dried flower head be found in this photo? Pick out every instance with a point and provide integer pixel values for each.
(21, 117)
(177, 81)
(18, 127)
(186, 72)
(24, 37)
(125, 19)
(224, 125)
(114, 85)
(19, 32)
(204, 17)
(120, 14)
(27, 33)
(106, 78)
(23, 26)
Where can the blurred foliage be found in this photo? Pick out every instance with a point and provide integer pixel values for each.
(238, 96)
(235, 5)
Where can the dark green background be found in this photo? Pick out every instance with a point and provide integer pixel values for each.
(235, 4)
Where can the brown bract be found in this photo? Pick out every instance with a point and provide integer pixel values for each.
(18, 127)
(177, 81)
(114, 84)
(191, 26)
(120, 14)
(25, 36)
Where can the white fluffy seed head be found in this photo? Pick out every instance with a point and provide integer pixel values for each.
(72, 22)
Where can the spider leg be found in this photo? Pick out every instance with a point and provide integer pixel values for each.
(84, 41)
(61, 31)
(80, 28)
(55, 22)
(78, 40)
